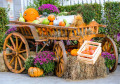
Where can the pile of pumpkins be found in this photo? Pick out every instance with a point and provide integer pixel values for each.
(31, 15)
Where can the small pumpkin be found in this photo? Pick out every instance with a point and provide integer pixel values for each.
(51, 18)
(35, 72)
(30, 14)
(51, 23)
(74, 52)
(61, 23)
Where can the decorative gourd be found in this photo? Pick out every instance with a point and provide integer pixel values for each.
(45, 14)
(51, 18)
(74, 52)
(21, 19)
(35, 72)
(51, 23)
(30, 14)
(61, 23)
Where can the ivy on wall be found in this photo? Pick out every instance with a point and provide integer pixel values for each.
(112, 15)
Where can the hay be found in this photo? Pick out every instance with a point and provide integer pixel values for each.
(78, 20)
(77, 70)
(3, 67)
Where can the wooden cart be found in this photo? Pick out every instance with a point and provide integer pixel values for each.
(18, 42)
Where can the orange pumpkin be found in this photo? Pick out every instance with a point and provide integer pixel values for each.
(74, 52)
(30, 14)
(61, 23)
(51, 23)
(35, 72)
(51, 18)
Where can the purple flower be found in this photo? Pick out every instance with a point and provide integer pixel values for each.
(118, 37)
(10, 30)
(44, 57)
(68, 42)
(108, 55)
(48, 8)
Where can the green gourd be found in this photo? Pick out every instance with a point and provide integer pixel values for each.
(21, 19)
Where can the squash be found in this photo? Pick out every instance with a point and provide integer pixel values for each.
(35, 72)
(51, 23)
(30, 14)
(51, 18)
(61, 23)
(74, 52)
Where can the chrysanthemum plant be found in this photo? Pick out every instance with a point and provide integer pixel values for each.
(49, 8)
(109, 59)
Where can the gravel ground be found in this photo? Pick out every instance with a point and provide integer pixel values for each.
(12, 78)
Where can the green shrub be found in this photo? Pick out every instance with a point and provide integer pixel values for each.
(69, 8)
(72, 9)
(98, 12)
(112, 15)
(3, 22)
(29, 63)
(37, 3)
(87, 12)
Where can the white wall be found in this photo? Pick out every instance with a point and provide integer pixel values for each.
(20, 5)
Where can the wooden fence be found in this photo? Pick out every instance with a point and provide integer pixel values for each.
(72, 2)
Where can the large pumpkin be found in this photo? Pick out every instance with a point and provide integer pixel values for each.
(35, 72)
(30, 14)
(74, 52)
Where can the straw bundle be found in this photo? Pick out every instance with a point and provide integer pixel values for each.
(77, 70)
(3, 67)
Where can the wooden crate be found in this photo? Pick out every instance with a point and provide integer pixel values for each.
(89, 59)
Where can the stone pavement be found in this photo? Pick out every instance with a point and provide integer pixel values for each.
(12, 78)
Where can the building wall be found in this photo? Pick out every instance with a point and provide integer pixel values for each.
(20, 5)
(17, 8)
(1, 3)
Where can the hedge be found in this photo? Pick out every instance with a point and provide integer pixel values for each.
(112, 15)
(3, 21)
(97, 8)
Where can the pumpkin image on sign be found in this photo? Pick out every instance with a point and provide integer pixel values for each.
(35, 72)
(74, 52)
(30, 14)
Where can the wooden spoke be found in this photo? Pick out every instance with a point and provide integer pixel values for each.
(9, 54)
(20, 46)
(11, 60)
(16, 43)
(59, 68)
(22, 57)
(112, 52)
(20, 63)
(15, 63)
(62, 61)
(62, 68)
(110, 48)
(12, 42)
(10, 47)
(22, 51)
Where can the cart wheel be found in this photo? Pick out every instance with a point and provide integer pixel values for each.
(17, 45)
(108, 45)
(60, 58)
